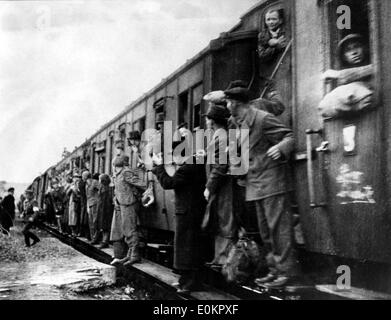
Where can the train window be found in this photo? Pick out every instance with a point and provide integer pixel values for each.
(347, 17)
(197, 116)
(101, 163)
(122, 131)
(197, 93)
(139, 125)
(111, 149)
(183, 107)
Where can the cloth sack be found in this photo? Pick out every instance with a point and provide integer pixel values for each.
(350, 98)
(243, 262)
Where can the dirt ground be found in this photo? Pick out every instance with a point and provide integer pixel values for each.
(17, 263)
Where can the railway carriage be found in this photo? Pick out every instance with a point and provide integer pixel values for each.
(340, 224)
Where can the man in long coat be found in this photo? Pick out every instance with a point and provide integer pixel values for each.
(270, 145)
(188, 183)
(92, 194)
(8, 205)
(127, 200)
(219, 191)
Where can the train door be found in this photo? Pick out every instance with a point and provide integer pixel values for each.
(351, 199)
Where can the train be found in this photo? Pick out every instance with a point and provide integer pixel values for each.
(340, 226)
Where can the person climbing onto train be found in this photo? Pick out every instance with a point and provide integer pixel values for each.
(354, 88)
(92, 194)
(272, 40)
(105, 209)
(188, 184)
(127, 202)
(220, 210)
(29, 216)
(270, 146)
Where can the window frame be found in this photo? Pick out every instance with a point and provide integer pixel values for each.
(373, 45)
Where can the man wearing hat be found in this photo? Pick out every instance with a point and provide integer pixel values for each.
(219, 186)
(188, 183)
(8, 205)
(29, 214)
(126, 199)
(270, 146)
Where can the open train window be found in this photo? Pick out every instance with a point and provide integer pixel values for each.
(111, 150)
(122, 131)
(197, 93)
(139, 125)
(183, 107)
(347, 17)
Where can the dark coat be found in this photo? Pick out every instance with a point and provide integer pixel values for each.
(83, 204)
(5, 219)
(220, 206)
(265, 177)
(265, 51)
(105, 207)
(9, 205)
(55, 203)
(188, 184)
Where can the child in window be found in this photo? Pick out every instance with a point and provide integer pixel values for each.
(272, 40)
(354, 92)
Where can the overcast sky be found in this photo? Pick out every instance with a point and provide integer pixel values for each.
(68, 67)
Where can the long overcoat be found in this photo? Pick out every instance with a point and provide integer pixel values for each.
(265, 177)
(220, 210)
(105, 206)
(127, 186)
(74, 205)
(188, 183)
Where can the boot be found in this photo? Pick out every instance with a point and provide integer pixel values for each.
(105, 240)
(134, 257)
(59, 224)
(27, 240)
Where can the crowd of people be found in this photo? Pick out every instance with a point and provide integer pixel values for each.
(209, 198)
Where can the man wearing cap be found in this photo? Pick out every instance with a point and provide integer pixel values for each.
(188, 183)
(219, 186)
(354, 59)
(126, 199)
(354, 80)
(270, 145)
(8, 205)
(29, 215)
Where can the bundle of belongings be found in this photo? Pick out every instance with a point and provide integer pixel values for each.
(244, 262)
(353, 97)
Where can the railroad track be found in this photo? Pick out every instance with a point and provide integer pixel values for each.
(155, 278)
(158, 279)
